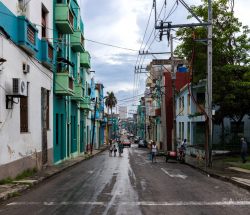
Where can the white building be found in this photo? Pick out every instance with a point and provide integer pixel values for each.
(123, 112)
(190, 121)
(26, 103)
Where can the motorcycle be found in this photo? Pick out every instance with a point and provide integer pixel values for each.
(181, 154)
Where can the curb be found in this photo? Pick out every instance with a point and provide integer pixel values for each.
(220, 177)
(24, 187)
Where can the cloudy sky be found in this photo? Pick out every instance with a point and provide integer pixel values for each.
(122, 23)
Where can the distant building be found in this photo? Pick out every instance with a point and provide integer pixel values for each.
(123, 112)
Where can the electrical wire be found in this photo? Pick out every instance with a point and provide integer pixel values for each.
(173, 9)
(130, 97)
(68, 44)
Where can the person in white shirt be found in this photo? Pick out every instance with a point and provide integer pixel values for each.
(153, 151)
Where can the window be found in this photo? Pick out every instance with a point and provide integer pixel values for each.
(201, 102)
(31, 34)
(44, 21)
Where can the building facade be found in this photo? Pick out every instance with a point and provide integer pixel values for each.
(123, 112)
(190, 122)
(71, 87)
(27, 60)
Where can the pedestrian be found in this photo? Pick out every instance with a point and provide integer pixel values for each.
(184, 143)
(153, 151)
(243, 150)
(120, 148)
(110, 148)
(115, 150)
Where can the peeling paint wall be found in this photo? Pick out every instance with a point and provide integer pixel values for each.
(14, 145)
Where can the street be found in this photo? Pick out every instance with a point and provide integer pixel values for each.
(130, 184)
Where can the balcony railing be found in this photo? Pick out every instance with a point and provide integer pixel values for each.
(47, 53)
(27, 35)
(64, 18)
(85, 60)
(78, 92)
(77, 41)
(85, 103)
(64, 84)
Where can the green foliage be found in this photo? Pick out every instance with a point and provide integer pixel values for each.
(231, 61)
(110, 100)
(26, 173)
(6, 181)
(232, 92)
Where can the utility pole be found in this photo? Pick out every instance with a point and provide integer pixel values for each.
(167, 25)
(173, 76)
(209, 85)
(93, 132)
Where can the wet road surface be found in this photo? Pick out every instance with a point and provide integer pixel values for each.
(130, 184)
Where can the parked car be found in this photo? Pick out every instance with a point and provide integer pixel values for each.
(142, 143)
(126, 142)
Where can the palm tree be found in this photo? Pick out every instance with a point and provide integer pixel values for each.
(110, 102)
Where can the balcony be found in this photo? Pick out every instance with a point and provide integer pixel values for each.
(85, 60)
(47, 54)
(64, 84)
(85, 103)
(78, 92)
(64, 18)
(27, 35)
(77, 41)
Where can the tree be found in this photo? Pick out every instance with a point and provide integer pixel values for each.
(110, 101)
(231, 62)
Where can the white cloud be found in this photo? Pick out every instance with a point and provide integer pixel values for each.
(122, 23)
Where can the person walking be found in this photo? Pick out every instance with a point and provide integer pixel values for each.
(115, 150)
(110, 148)
(120, 148)
(243, 150)
(153, 151)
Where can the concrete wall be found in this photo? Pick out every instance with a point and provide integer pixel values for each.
(17, 146)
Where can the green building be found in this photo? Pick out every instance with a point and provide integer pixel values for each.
(71, 86)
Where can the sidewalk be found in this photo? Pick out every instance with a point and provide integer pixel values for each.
(16, 187)
(222, 170)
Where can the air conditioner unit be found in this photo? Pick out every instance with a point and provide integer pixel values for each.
(19, 87)
(26, 68)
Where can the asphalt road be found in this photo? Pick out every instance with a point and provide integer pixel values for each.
(131, 184)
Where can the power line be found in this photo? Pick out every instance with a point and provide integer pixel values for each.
(129, 98)
(93, 41)
(115, 46)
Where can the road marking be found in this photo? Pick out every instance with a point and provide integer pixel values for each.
(174, 175)
(143, 203)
